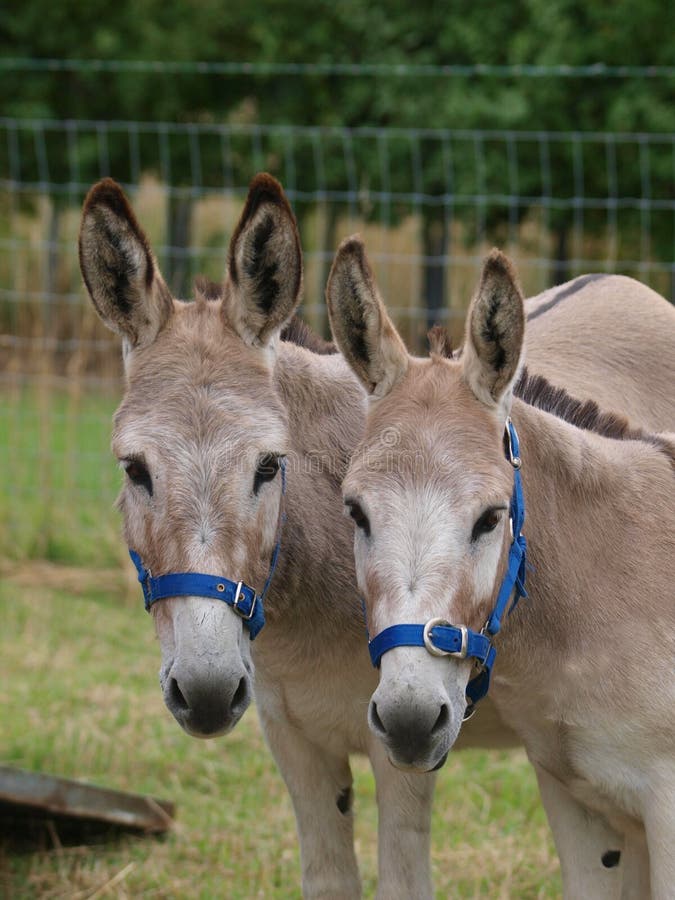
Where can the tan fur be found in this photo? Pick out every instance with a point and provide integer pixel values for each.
(610, 341)
(585, 664)
(121, 275)
(201, 405)
(377, 354)
(265, 264)
(494, 331)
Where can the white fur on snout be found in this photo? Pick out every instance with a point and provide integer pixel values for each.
(202, 638)
(414, 553)
(419, 555)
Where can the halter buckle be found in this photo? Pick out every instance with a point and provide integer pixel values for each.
(240, 597)
(436, 651)
(512, 456)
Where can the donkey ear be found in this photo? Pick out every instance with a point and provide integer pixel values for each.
(265, 264)
(494, 333)
(361, 327)
(118, 267)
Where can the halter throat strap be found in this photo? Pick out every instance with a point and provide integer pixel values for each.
(236, 594)
(443, 639)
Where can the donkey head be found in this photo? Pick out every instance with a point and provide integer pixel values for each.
(429, 490)
(200, 431)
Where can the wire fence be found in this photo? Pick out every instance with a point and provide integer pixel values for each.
(428, 202)
(358, 70)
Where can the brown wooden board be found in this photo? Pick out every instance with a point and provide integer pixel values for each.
(34, 795)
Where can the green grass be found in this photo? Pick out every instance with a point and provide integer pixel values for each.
(59, 479)
(79, 698)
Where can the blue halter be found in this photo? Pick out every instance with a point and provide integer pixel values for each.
(242, 598)
(443, 639)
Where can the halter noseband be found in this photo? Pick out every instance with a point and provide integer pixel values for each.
(443, 639)
(242, 598)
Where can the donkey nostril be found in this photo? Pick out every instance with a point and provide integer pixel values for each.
(176, 695)
(375, 720)
(240, 697)
(441, 721)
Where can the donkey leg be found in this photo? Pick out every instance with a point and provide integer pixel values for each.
(582, 839)
(659, 819)
(635, 867)
(404, 829)
(320, 786)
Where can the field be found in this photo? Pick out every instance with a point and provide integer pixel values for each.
(79, 697)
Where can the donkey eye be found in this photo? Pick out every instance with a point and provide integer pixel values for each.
(138, 473)
(487, 521)
(358, 515)
(267, 468)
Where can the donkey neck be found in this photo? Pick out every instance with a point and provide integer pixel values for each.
(326, 413)
(597, 510)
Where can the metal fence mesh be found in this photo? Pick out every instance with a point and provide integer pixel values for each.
(429, 203)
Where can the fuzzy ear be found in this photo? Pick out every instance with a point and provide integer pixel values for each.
(494, 332)
(361, 327)
(118, 267)
(265, 264)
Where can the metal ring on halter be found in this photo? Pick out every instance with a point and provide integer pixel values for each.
(436, 651)
(469, 712)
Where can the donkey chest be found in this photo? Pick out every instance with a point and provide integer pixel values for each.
(325, 696)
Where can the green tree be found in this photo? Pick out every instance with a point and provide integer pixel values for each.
(479, 183)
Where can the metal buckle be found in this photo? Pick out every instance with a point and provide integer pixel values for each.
(469, 712)
(515, 461)
(146, 586)
(238, 595)
(434, 650)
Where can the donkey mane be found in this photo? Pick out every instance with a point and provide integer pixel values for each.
(299, 332)
(537, 391)
(296, 332)
(206, 289)
(440, 343)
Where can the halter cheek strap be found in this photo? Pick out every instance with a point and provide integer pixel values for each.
(239, 596)
(443, 639)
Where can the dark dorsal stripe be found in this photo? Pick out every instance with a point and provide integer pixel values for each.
(572, 288)
(536, 391)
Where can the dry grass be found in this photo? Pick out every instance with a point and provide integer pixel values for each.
(79, 698)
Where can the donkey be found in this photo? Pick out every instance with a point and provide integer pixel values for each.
(214, 403)
(584, 671)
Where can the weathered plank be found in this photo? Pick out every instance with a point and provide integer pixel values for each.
(45, 796)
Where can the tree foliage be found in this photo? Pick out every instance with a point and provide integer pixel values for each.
(544, 32)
